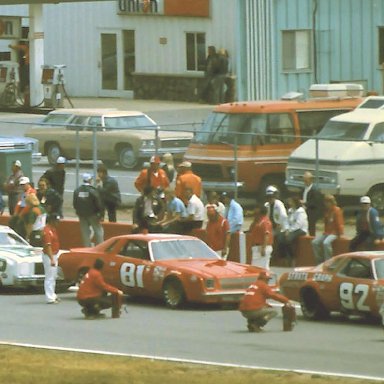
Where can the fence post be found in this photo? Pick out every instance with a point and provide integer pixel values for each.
(236, 176)
(317, 165)
(157, 141)
(77, 146)
(94, 153)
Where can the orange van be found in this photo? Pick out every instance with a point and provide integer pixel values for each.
(261, 135)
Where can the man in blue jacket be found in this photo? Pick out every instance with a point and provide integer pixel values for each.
(368, 226)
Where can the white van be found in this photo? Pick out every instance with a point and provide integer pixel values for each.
(347, 155)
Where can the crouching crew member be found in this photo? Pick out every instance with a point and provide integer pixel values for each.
(93, 293)
(253, 305)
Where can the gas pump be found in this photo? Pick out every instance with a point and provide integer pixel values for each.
(9, 81)
(54, 86)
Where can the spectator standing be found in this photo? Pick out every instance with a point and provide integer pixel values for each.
(89, 209)
(297, 226)
(253, 305)
(49, 198)
(195, 212)
(217, 232)
(260, 236)
(176, 212)
(276, 210)
(34, 221)
(153, 176)
(333, 229)
(213, 201)
(56, 178)
(109, 192)
(223, 64)
(169, 166)
(92, 293)
(51, 247)
(312, 201)
(187, 179)
(147, 210)
(12, 186)
(233, 213)
(23, 49)
(209, 93)
(368, 226)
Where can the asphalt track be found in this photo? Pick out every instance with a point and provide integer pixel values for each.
(209, 334)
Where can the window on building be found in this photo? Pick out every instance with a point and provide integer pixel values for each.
(381, 45)
(297, 50)
(195, 48)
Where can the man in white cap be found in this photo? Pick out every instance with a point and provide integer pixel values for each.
(368, 226)
(56, 178)
(276, 210)
(12, 187)
(187, 179)
(89, 209)
(153, 176)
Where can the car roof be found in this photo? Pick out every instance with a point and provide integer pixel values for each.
(155, 236)
(72, 111)
(365, 254)
(361, 116)
(107, 113)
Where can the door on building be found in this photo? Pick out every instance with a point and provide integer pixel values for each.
(117, 62)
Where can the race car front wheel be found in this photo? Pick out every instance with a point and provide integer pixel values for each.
(311, 306)
(173, 293)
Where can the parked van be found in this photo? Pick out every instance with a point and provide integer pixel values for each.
(350, 151)
(261, 135)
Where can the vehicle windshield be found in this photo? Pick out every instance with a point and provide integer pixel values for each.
(59, 118)
(343, 130)
(124, 122)
(181, 249)
(9, 238)
(379, 266)
(249, 129)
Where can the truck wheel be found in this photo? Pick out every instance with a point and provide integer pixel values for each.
(127, 158)
(311, 305)
(173, 293)
(377, 196)
(53, 152)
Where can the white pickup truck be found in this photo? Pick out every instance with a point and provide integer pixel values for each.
(346, 156)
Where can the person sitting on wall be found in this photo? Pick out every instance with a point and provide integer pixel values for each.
(368, 226)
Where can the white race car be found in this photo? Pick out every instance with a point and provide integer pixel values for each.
(21, 265)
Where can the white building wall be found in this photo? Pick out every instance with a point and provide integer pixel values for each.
(72, 37)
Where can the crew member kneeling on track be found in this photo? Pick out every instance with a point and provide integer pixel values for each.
(253, 305)
(93, 293)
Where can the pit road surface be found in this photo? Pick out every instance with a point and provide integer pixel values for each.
(197, 333)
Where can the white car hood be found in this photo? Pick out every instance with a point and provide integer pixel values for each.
(21, 254)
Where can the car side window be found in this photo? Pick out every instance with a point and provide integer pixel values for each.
(135, 249)
(280, 128)
(378, 133)
(94, 121)
(358, 268)
(77, 123)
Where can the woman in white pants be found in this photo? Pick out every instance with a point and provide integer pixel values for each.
(261, 238)
(51, 248)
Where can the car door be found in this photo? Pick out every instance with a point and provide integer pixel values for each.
(355, 281)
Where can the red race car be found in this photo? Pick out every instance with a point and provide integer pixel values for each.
(176, 268)
(352, 283)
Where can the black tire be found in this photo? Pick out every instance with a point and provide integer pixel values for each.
(311, 306)
(376, 194)
(173, 293)
(53, 152)
(127, 158)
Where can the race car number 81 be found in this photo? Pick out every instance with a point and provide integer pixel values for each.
(131, 275)
(348, 290)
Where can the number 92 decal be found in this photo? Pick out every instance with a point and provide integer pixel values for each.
(348, 291)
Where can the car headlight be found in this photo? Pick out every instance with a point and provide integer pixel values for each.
(24, 269)
(209, 283)
(3, 265)
(148, 144)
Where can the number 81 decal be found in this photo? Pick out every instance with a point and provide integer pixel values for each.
(131, 275)
(347, 292)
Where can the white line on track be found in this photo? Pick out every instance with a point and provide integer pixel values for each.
(190, 361)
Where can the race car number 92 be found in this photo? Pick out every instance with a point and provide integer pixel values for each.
(347, 292)
(131, 275)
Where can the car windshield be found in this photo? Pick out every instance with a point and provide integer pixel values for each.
(9, 238)
(379, 266)
(343, 130)
(181, 249)
(124, 122)
(250, 129)
(57, 118)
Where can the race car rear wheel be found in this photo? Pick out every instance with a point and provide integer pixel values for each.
(311, 306)
(173, 293)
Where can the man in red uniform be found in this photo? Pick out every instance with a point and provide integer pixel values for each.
(253, 305)
(92, 293)
(187, 179)
(154, 176)
(217, 232)
(51, 248)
